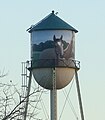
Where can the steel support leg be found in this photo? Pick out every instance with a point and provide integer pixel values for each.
(28, 92)
(79, 95)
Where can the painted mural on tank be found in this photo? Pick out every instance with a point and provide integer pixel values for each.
(56, 52)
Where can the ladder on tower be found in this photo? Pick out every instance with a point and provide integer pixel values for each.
(24, 87)
(24, 78)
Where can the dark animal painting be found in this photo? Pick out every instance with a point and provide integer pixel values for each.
(57, 53)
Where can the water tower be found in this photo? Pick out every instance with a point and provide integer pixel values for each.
(53, 63)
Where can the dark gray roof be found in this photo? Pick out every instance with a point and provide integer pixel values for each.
(51, 22)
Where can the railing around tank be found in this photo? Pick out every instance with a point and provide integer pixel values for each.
(52, 63)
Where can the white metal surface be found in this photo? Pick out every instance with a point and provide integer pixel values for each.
(44, 77)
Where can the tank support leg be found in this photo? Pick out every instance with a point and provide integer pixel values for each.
(79, 95)
(28, 92)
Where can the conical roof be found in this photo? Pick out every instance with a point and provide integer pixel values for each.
(51, 22)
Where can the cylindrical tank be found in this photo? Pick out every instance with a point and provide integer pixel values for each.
(52, 49)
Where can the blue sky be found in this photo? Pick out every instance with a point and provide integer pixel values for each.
(88, 17)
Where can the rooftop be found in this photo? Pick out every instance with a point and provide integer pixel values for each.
(51, 22)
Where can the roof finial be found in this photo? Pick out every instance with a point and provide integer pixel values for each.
(53, 11)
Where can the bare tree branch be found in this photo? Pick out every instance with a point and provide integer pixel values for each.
(13, 111)
(3, 74)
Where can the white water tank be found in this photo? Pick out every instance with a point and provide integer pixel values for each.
(52, 51)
